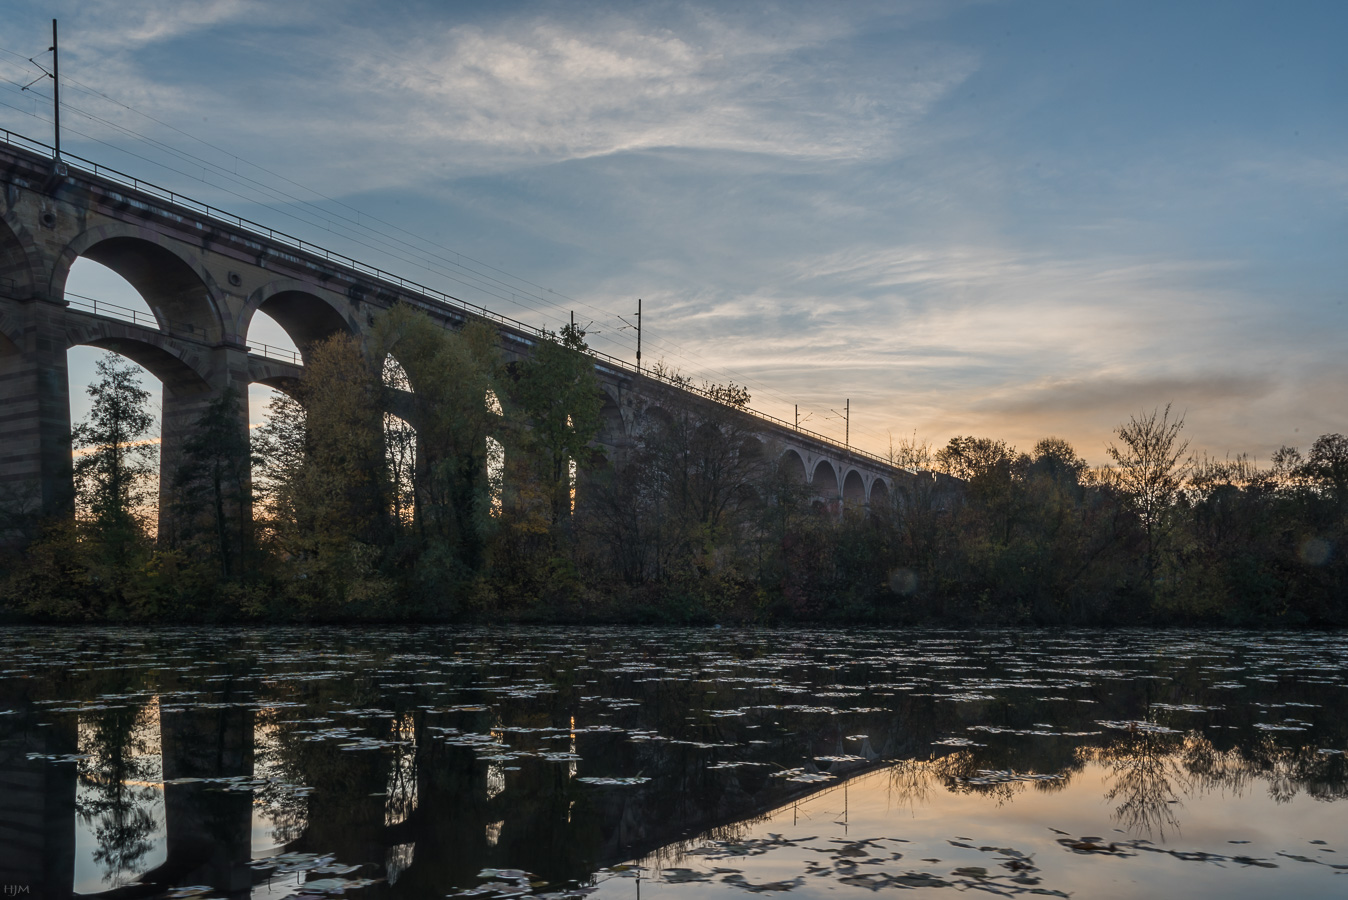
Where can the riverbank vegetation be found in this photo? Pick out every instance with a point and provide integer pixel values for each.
(422, 477)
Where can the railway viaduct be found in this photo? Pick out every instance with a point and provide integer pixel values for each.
(204, 274)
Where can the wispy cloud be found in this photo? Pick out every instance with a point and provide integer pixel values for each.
(547, 90)
(116, 27)
(960, 228)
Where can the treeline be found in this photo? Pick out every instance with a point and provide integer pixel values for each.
(454, 484)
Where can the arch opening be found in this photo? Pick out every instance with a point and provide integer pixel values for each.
(145, 369)
(275, 432)
(92, 287)
(400, 456)
(495, 476)
(655, 419)
(400, 445)
(825, 480)
(305, 318)
(176, 293)
(612, 429)
(854, 490)
(267, 338)
(792, 466)
(879, 494)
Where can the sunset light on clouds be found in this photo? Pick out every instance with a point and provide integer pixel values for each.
(1006, 219)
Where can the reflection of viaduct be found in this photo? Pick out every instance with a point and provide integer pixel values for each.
(457, 824)
(204, 275)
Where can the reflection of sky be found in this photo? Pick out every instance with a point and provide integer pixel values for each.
(992, 218)
(877, 806)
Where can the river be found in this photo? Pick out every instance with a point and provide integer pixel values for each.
(671, 763)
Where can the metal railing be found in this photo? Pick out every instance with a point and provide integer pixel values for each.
(277, 353)
(433, 297)
(106, 310)
(113, 311)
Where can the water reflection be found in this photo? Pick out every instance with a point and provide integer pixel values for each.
(408, 763)
(119, 797)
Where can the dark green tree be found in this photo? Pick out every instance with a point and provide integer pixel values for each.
(115, 460)
(1327, 466)
(212, 491)
(557, 393)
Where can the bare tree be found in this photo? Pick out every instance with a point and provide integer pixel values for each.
(1149, 471)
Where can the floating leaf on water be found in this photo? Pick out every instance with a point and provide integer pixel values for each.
(329, 886)
(772, 886)
(920, 879)
(684, 876)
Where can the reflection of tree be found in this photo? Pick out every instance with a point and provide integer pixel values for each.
(273, 797)
(402, 776)
(910, 782)
(1145, 772)
(960, 773)
(120, 786)
(1290, 770)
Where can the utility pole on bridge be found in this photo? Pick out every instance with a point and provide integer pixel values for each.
(56, 90)
(637, 328)
(55, 76)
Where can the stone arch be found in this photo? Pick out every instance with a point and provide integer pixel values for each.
(286, 384)
(880, 493)
(612, 428)
(185, 394)
(160, 361)
(179, 290)
(308, 317)
(18, 259)
(655, 418)
(825, 480)
(792, 465)
(854, 489)
(402, 458)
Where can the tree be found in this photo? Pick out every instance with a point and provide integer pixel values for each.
(557, 393)
(1327, 466)
(1149, 473)
(325, 485)
(114, 471)
(970, 458)
(213, 496)
(1057, 459)
(451, 377)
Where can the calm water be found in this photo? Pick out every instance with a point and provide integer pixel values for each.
(672, 764)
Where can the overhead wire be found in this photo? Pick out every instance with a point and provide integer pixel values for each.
(190, 175)
(658, 344)
(384, 243)
(614, 335)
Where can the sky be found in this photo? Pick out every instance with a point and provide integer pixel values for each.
(1001, 219)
